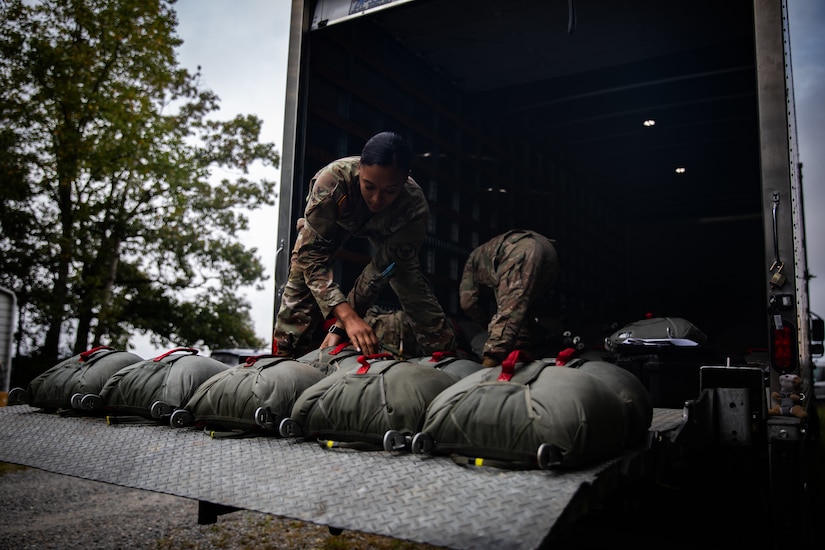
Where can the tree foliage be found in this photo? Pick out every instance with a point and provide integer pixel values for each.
(111, 221)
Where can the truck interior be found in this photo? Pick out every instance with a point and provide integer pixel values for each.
(634, 144)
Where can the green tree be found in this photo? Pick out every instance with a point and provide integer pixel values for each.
(110, 222)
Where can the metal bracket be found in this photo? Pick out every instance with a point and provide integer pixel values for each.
(208, 512)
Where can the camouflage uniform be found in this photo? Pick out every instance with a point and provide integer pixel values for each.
(518, 266)
(336, 211)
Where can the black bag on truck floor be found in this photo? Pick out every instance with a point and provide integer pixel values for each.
(673, 331)
(529, 414)
(154, 388)
(666, 355)
(252, 397)
(378, 404)
(62, 386)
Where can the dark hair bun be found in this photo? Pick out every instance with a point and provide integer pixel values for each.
(387, 149)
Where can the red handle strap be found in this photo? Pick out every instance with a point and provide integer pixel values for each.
(254, 359)
(88, 353)
(193, 351)
(508, 366)
(439, 355)
(339, 348)
(364, 360)
(565, 356)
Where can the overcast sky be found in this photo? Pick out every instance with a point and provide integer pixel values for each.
(807, 20)
(241, 46)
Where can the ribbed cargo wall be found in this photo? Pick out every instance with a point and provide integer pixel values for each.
(479, 178)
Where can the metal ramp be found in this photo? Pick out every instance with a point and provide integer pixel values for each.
(417, 498)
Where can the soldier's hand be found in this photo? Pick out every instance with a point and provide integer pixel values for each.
(331, 340)
(361, 336)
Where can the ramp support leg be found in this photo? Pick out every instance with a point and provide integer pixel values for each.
(208, 512)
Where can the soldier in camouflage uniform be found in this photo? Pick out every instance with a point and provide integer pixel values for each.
(370, 196)
(518, 266)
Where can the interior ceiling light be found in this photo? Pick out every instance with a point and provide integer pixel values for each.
(499, 190)
(649, 122)
(681, 170)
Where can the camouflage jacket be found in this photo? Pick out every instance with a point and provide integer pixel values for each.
(485, 266)
(335, 212)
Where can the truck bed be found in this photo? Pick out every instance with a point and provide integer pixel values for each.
(417, 498)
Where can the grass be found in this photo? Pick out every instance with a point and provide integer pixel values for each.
(6, 468)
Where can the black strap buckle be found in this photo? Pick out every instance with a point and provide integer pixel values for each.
(338, 331)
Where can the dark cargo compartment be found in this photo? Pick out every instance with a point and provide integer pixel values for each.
(517, 119)
(670, 374)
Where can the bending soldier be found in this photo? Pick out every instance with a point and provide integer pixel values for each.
(518, 266)
(370, 196)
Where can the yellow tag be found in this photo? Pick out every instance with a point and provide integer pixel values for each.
(212, 434)
(330, 444)
(108, 421)
(479, 461)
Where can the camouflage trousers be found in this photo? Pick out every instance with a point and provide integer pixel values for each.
(299, 319)
(297, 325)
(529, 270)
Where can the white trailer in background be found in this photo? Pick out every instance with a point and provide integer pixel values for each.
(8, 309)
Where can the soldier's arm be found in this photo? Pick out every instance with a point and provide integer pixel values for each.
(359, 333)
(321, 236)
(469, 293)
(396, 250)
(433, 330)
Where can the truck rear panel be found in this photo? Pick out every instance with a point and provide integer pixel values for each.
(655, 141)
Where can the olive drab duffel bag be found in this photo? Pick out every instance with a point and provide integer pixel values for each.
(154, 388)
(535, 414)
(62, 386)
(333, 358)
(250, 398)
(378, 404)
(637, 413)
(457, 365)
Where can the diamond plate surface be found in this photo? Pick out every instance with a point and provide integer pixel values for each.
(418, 498)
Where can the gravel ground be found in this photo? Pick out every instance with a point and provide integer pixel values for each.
(44, 511)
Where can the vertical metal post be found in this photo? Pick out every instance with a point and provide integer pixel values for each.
(292, 147)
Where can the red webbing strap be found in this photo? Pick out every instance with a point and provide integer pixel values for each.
(508, 366)
(565, 356)
(86, 354)
(250, 361)
(157, 359)
(439, 355)
(339, 348)
(364, 360)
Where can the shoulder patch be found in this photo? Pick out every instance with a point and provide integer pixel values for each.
(405, 251)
